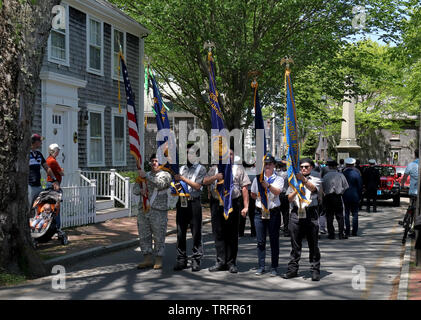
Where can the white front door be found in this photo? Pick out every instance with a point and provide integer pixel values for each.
(57, 132)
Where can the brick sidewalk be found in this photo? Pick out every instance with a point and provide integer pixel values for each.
(414, 284)
(100, 234)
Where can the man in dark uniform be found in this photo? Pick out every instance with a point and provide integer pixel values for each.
(371, 179)
(304, 223)
(189, 212)
(226, 230)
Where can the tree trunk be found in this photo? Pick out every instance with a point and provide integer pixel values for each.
(24, 30)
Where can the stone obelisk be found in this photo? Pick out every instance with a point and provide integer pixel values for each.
(348, 146)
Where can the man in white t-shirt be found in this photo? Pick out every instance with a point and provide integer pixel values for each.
(271, 220)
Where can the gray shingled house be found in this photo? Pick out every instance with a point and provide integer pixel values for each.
(77, 101)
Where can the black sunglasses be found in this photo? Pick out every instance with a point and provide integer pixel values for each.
(304, 167)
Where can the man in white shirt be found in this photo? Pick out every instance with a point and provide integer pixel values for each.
(268, 219)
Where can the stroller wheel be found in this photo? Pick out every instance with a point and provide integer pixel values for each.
(64, 239)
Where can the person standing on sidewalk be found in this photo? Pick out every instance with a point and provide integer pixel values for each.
(54, 150)
(334, 185)
(36, 161)
(305, 224)
(352, 196)
(189, 212)
(273, 184)
(224, 230)
(152, 225)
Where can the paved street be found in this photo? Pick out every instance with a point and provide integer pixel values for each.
(377, 253)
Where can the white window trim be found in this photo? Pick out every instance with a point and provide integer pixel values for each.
(67, 37)
(112, 51)
(96, 109)
(88, 36)
(124, 115)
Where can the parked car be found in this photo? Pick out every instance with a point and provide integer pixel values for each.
(389, 183)
(401, 171)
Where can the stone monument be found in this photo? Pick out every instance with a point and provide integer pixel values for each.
(348, 146)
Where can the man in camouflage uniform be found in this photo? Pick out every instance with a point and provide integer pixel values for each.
(152, 225)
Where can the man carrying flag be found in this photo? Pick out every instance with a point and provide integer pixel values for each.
(152, 220)
(190, 214)
(224, 217)
(265, 189)
(225, 231)
(302, 194)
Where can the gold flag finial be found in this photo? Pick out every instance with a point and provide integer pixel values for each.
(254, 74)
(286, 60)
(209, 45)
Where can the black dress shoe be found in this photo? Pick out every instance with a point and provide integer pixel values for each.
(343, 237)
(233, 269)
(218, 267)
(195, 266)
(180, 266)
(315, 275)
(289, 275)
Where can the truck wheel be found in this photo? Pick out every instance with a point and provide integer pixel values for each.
(397, 201)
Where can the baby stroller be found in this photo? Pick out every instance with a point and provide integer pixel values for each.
(44, 215)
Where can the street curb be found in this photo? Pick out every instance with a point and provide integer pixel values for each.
(404, 277)
(97, 251)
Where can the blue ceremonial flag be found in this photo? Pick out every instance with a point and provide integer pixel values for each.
(291, 137)
(220, 145)
(260, 142)
(179, 188)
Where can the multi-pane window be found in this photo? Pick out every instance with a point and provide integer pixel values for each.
(96, 139)
(59, 39)
(119, 41)
(119, 140)
(94, 45)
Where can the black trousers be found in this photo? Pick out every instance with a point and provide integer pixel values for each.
(371, 196)
(185, 217)
(251, 213)
(304, 228)
(333, 207)
(225, 232)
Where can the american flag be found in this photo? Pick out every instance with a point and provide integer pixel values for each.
(133, 127)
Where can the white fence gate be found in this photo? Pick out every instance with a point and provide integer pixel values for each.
(78, 206)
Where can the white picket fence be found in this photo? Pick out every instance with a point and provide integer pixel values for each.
(78, 206)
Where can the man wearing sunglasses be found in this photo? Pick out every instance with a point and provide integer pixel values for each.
(304, 224)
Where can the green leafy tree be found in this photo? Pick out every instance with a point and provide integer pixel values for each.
(248, 35)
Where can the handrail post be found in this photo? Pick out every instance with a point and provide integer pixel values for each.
(79, 172)
(112, 183)
(127, 192)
